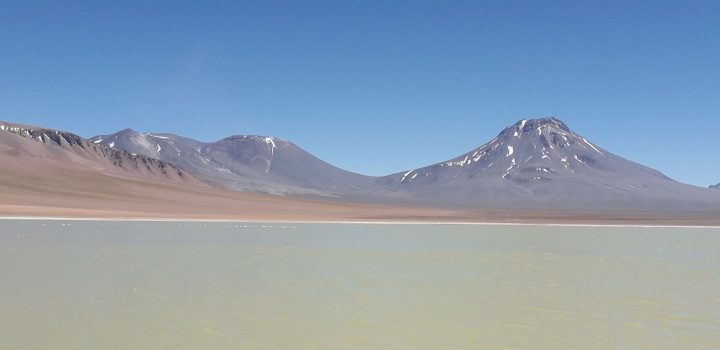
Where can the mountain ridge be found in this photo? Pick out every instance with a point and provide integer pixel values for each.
(81, 152)
(534, 164)
(238, 162)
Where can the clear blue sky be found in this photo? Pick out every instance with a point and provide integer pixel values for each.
(375, 86)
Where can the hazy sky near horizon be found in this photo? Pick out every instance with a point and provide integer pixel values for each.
(374, 86)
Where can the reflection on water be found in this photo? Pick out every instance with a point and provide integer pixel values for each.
(104, 285)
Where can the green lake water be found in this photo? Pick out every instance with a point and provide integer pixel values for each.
(180, 285)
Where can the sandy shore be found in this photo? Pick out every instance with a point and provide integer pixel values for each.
(286, 222)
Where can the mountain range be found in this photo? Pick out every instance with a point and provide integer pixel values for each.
(535, 164)
(55, 173)
(245, 163)
(715, 186)
(30, 146)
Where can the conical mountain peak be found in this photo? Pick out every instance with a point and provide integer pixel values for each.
(536, 126)
(127, 132)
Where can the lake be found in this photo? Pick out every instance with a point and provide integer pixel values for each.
(183, 285)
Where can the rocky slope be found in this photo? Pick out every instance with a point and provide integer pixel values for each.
(29, 144)
(543, 164)
(536, 164)
(247, 163)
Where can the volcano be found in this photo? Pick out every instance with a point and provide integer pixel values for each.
(543, 164)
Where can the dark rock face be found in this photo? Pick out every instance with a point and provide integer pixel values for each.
(715, 186)
(84, 148)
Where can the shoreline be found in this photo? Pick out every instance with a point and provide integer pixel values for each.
(351, 222)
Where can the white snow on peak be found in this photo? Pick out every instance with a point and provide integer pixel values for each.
(510, 150)
(478, 155)
(111, 144)
(157, 136)
(509, 169)
(2, 127)
(141, 141)
(593, 147)
(98, 140)
(580, 160)
(405, 175)
(271, 144)
(158, 148)
(461, 163)
(519, 129)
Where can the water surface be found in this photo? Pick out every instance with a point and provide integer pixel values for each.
(149, 285)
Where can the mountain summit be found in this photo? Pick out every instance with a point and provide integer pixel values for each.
(533, 150)
(542, 163)
(250, 163)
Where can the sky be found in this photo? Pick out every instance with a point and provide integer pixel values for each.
(374, 87)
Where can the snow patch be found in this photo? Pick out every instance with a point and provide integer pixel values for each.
(142, 142)
(461, 163)
(580, 160)
(477, 155)
(405, 175)
(271, 145)
(511, 150)
(509, 169)
(593, 147)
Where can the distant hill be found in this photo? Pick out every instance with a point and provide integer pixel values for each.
(48, 148)
(249, 163)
